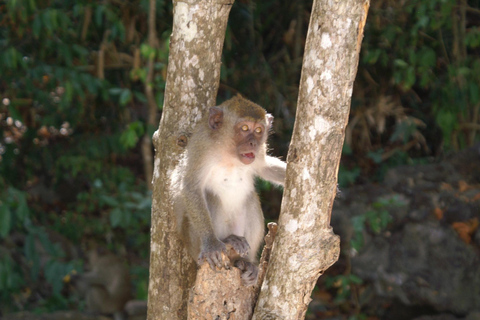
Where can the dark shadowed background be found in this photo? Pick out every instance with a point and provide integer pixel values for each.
(73, 113)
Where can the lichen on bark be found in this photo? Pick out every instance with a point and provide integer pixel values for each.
(305, 245)
(192, 82)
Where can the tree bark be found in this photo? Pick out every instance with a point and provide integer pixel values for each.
(192, 82)
(219, 294)
(305, 245)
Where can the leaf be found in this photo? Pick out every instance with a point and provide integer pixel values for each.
(355, 279)
(69, 91)
(140, 97)
(474, 94)
(466, 229)
(110, 201)
(54, 274)
(129, 138)
(115, 91)
(147, 51)
(5, 220)
(447, 121)
(410, 77)
(36, 26)
(400, 63)
(438, 213)
(116, 217)
(31, 254)
(125, 97)
(464, 71)
(428, 58)
(463, 186)
(99, 15)
(23, 211)
(376, 156)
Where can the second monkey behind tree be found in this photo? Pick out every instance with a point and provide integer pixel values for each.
(215, 199)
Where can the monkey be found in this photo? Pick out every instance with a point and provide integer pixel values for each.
(215, 201)
(107, 286)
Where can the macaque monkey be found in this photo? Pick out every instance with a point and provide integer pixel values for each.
(106, 286)
(215, 200)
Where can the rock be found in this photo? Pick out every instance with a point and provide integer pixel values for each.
(418, 262)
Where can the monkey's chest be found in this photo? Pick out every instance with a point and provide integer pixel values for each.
(230, 184)
(231, 187)
(228, 191)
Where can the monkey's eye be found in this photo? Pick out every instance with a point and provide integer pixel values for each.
(258, 130)
(244, 127)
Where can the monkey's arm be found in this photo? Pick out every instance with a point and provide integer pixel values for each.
(274, 170)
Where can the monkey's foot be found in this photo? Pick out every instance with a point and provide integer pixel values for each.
(239, 244)
(212, 253)
(249, 272)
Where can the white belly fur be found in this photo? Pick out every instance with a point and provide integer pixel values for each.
(232, 185)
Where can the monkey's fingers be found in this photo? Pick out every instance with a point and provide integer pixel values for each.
(239, 244)
(215, 259)
(249, 272)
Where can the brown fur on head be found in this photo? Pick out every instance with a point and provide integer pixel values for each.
(235, 109)
(245, 108)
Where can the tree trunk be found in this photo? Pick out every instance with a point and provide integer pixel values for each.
(219, 294)
(305, 245)
(192, 83)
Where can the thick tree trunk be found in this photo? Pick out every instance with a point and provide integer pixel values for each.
(305, 245)
(192, 83)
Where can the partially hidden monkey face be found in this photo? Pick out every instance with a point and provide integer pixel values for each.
(248, 137)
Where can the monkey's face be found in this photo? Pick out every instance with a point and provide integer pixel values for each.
(248, 137)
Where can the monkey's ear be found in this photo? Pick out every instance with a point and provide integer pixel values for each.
(215, 118)
(269, 119)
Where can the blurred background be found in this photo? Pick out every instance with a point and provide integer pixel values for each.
(75, 172)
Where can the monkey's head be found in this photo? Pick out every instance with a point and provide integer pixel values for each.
(245, 123)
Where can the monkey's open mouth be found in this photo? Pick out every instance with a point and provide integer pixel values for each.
(249, 155)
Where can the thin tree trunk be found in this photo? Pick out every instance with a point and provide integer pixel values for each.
(192, 83)
(305, 245)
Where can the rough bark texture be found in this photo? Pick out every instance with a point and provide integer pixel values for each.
(192, 83)
(305, 245)
(219, 294)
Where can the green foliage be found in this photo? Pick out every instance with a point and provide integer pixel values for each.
(14, 210)
(72, 112)
(347, 177)
(140, 277)
(343, 285)
(130, 137)
(376, 219)
(11, 279)
(42, 256)
(424, 51)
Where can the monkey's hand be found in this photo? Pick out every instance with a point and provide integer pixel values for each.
(212, 253)
(239, 244)
(249, 272)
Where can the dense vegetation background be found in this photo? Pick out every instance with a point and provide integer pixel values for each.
(73, 110)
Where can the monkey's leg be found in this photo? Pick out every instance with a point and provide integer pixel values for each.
(249, 271)
(239, 244)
